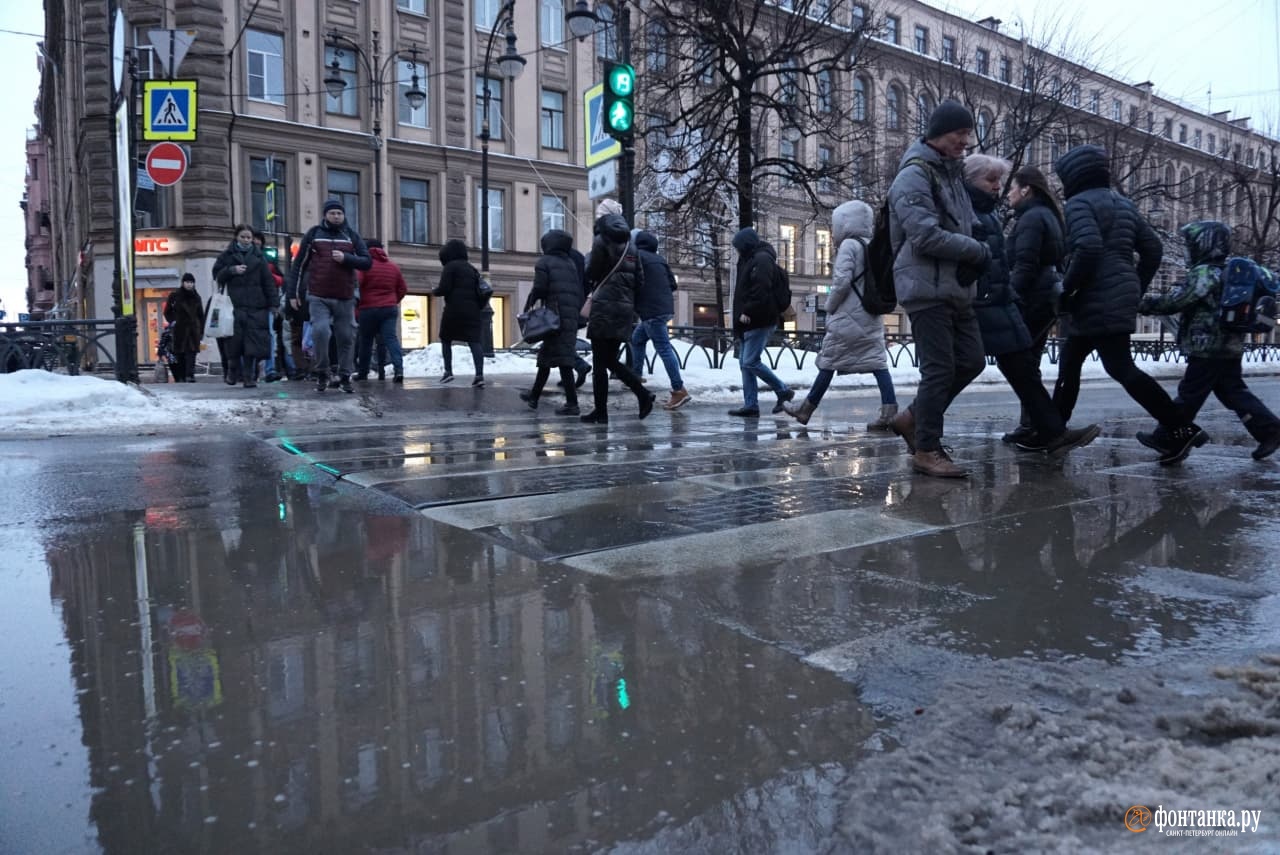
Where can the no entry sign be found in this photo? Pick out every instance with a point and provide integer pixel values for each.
(166, 163)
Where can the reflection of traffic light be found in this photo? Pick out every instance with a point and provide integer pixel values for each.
(271, 253)
(619, 105)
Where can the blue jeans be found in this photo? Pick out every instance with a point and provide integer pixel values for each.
(753, 342)
(655, 330)
(381, 322)
(822, 382)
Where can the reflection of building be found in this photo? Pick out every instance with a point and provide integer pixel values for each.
(36, 209)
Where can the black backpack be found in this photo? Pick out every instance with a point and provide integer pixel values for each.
(781, 289)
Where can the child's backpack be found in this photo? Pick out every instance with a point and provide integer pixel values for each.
(1248, 301)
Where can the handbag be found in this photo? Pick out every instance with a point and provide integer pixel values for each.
(220, 319)
(539, 323)
(484, 289)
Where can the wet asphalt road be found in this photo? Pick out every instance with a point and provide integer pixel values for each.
(478, 630)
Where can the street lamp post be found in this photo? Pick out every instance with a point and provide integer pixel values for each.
(334, 84)
(510, 64)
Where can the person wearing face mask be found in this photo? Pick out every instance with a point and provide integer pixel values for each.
(242, 270)
(184, 310)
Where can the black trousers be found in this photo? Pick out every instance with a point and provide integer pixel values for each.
(1039, 319)
(566, 379)
(1117, 361)
(477, 355)
(1222, 378)
(1022, 370)
(604, 358)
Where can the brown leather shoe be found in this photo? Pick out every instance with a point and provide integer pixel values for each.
(937, 464)
(904, 425)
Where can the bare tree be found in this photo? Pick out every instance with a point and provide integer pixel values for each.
(1250, 196)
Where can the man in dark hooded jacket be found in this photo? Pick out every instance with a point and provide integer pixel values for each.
(755, 317)
(656, 308)
(1100, 292)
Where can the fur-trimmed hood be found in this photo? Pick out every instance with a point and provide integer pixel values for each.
(852, 219)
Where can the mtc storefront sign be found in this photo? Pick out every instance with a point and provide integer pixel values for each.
(153, 245)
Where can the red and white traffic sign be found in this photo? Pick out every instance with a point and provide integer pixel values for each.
(166, 163)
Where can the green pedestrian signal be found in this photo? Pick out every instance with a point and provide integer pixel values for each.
(619, 107)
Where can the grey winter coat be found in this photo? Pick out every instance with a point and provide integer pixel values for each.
(854, 341)
(615, 268)
(1104, 231)
(932, 243)
(558, 284)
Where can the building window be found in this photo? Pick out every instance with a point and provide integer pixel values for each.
(1168, 129)
(789, 86)
(415, 210)
(1197, 138)
(706, 64)
(1095, 101)
(787, 247)
(893, 108)
(922, 39)
(859, 16)
(826, 103)
(860, 88)
(487, 13)
(1074, 98)
(949, 49)
(552, 23)
(497, 233)
(787, 146)
(1213, 144)
(407, 115)
(822, 252)
(983, 128)
(345, 103)
(344, 185)
(1151, 121)
(553, 212)
(982, 60)
(825, 184)
(656, 38)
(495, 106)
(264, 171)
(924, 107)
(1006, 70)
(892, 26)
(1182, 132)
(266, 66)
(419, 6)
(1117, 110)
(606, 33)
(552, 119)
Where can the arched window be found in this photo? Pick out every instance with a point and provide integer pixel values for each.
(1198, 203)
(893, 107)
(983, 130)
(924, 107)
(861, 91)
(826, 92)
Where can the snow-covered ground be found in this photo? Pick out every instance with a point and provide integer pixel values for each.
(40, 403)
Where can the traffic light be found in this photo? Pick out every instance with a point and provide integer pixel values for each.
(270, 253)
(619, 106)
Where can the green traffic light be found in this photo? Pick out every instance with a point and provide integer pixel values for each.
(622, 80)
(270, 252)
(620, 117)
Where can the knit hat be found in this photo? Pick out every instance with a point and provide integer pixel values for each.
(947, 117)
(332, 204)
(608, 206)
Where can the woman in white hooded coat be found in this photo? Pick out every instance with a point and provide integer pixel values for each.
(854, 341)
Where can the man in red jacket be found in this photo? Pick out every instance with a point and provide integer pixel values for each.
(382, 287)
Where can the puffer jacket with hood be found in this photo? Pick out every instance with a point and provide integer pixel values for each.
(1196, 301)
(253, 294)
(999, 319)
(382, 285)
(654, 298)
(1033, 254)
(460, 288)
(1104, 230)
(615, 268)
(753, 288)
(557, 283)
(932, 244)
(854, 340)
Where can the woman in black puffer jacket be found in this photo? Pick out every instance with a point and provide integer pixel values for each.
(463, 314)
(557, 284)
(1101, 289)
(1033, 254)
(1004, 333)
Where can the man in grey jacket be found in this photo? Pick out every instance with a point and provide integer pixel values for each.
(938, 261)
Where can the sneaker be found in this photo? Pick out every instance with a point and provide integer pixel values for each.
(937, 464)
(477, 383)
(344, 382)
(1265, 449)
(273, 377)
(567, 410)
(1070, 440)
(447, 377)
(1181, 441)
(395, 378)
(678, 399)
(1019, 433)
(746, 412)
(599, 417)
(528, 398)
(904, 425)
(1031, 441)
(646, 404)
(783, 397)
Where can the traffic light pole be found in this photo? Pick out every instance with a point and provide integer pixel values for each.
(627, 170)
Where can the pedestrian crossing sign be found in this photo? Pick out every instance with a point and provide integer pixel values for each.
(169, 110)
(600, 145)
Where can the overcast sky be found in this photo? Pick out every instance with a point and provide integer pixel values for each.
(1186, 47)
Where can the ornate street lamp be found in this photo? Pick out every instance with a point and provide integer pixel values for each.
(510, 64)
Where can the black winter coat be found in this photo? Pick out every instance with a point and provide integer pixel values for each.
(185, 310)
(1033, 254)
(753, 289)
(615, 268)
(995, 304)
(253, 294)
(1104, 232)
(460, 287)
(557, 283)
(655, 297)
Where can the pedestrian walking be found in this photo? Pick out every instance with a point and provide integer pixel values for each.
(656, 307)
(1034, 256)
(324, 278)
(1213, 354)
(557, 284)
(614, 267)
(185, 313)
(1004, 332)
(937, 264)
(464, 301)
(382, 287)
(242, 270)
(854, 338)
(755, 317)
(278, 354)
(1100, 294)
